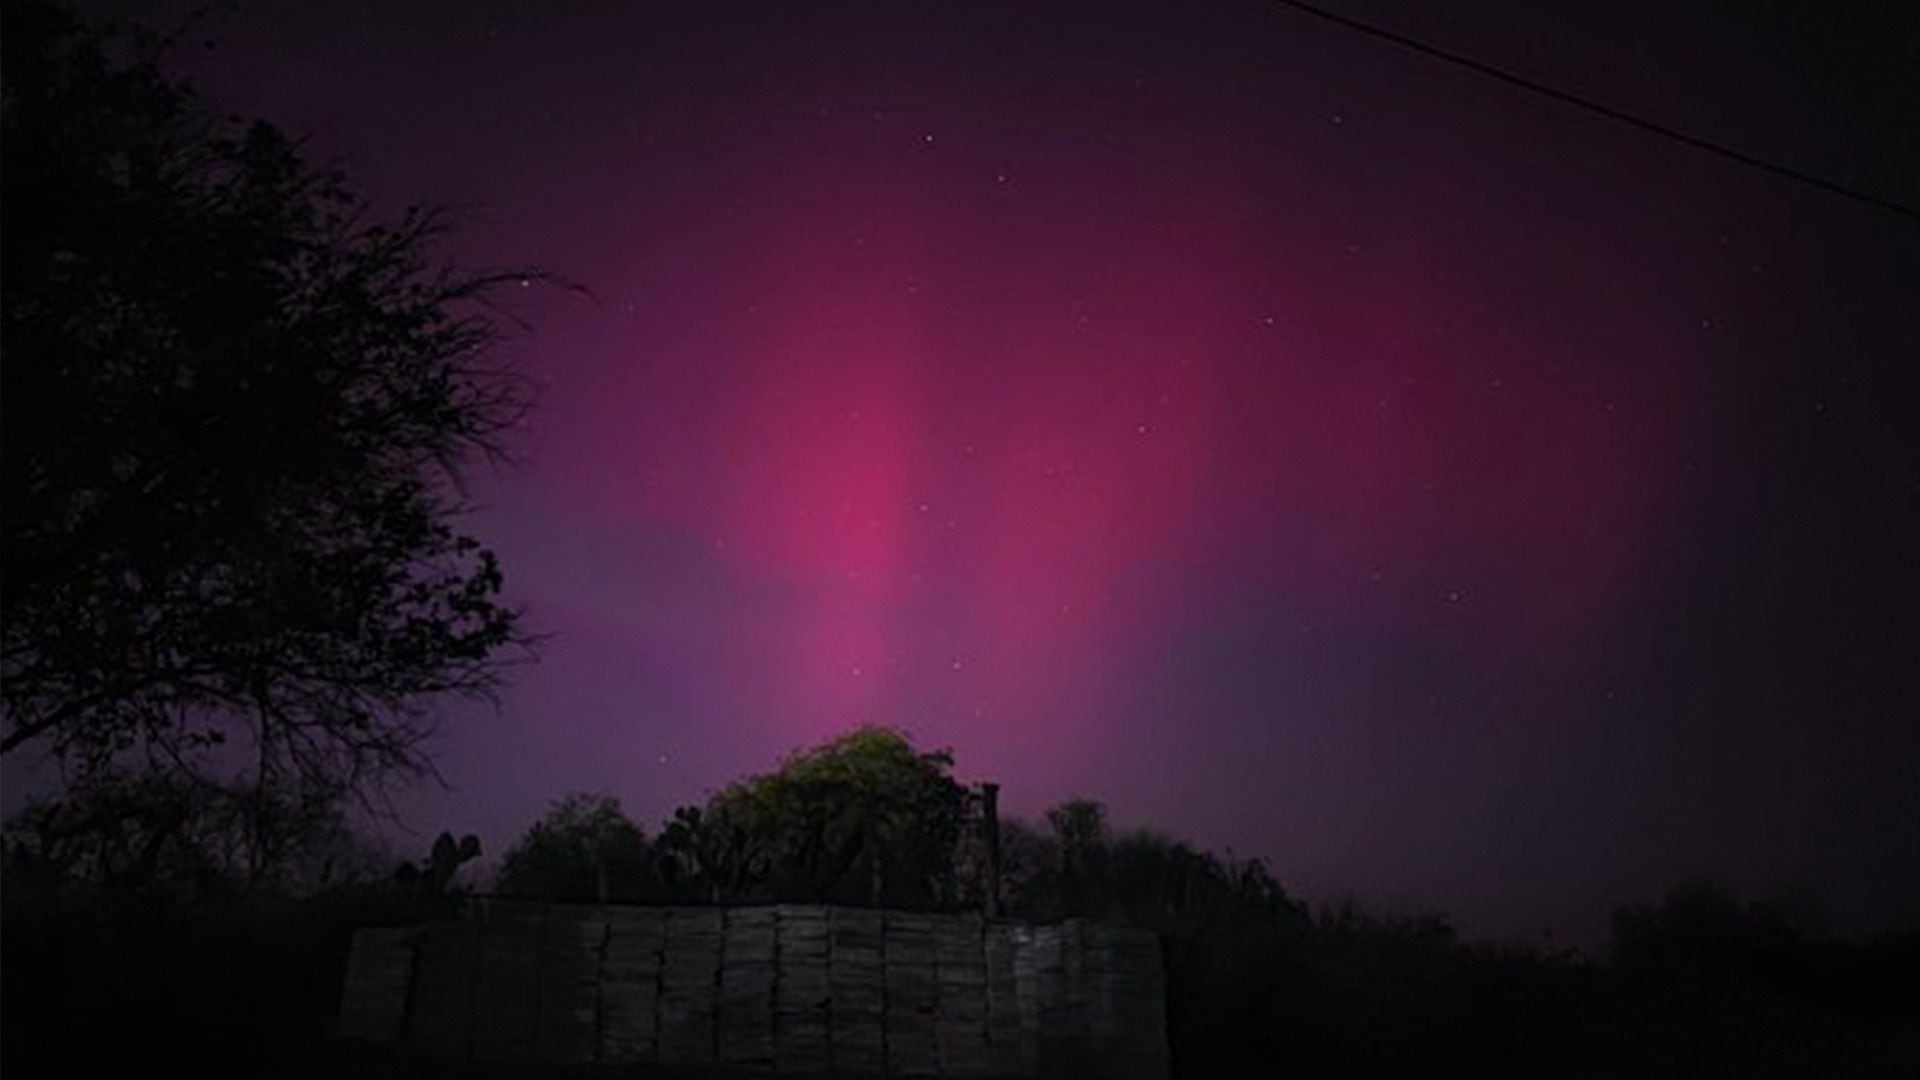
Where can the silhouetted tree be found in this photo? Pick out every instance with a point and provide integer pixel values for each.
(145, 832)
(122, 834)
(864, 818)
(1025, 854)
(584, 849)
(1080, 837)
(235, 407)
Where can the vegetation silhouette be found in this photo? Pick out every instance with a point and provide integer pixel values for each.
(237, 405)
(861, 819)
(1696, 984)
(585, 850)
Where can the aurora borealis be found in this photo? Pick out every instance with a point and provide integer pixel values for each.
(1305, 447)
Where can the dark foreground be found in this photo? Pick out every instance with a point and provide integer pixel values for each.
(1696, 987)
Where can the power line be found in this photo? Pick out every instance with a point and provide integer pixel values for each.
(1611, 113)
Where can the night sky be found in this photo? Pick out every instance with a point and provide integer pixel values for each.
(1308, 448)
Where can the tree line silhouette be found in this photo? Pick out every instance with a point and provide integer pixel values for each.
(1696, 983)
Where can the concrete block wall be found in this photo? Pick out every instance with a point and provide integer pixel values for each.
(777, 990)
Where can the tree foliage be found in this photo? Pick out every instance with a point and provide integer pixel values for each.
(159, 837)
(235, 410)
(1080, 867)
(584, 849)
(864, 818)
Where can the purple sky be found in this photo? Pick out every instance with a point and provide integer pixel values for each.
(1306, 447)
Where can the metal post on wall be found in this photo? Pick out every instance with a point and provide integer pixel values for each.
(990, 832)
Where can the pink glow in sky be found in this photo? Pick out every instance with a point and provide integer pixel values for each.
(980, 434)
(1302, 447)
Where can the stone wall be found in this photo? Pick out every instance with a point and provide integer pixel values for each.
(805, 990)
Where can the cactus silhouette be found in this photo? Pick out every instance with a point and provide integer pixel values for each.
(431, 880)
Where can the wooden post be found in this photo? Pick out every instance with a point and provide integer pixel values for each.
(990, 831)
